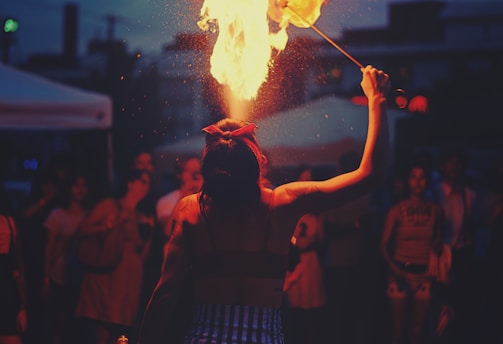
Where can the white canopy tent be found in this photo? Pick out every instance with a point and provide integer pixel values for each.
(28, 101)
(35, 110)
(317, 133)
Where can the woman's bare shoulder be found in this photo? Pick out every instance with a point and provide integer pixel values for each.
(187, 208)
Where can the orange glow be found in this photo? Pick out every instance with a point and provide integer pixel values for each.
(360, 100)
(401, 101)
(418, 104)
(301, 13)
(242, 52)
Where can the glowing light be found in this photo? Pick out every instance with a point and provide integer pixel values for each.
(400, 98)
(242, 52)
(359, 100)
(10, 25)
(301, 13)
(418, 104)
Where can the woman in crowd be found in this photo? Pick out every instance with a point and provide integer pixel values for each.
(110, 300)
(234, 235)
(13, 319)
(412, 231)
(62, 271)
(304, 286)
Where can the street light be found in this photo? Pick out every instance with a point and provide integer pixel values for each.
(9, 27)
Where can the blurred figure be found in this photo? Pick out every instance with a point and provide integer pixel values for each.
(63, 273)
(143, 161)
(459, 203)
(32, 213)
(411, 233)
(110, 300)
(304, 286)
(346, 275)
(492, 285)
(13, 317)
(188, 174)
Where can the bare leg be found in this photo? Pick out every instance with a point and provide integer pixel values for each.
(418, 318)
(420, 305)
(398, 303)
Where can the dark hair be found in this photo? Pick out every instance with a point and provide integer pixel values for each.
(131, 174)
(72, 179)
(181, 161)
(231, 167)
(427, 175)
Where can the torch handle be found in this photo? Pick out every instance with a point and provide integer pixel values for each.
(322, 34)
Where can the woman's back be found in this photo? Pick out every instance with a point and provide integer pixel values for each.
(236, 258)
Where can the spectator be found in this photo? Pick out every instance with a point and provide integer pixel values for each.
(13, 316)
(459, 203)
(412, 231)
(32, 234)
(346, 275)
(304, 287)
(110, 300)
(188, 173)
(62, 270)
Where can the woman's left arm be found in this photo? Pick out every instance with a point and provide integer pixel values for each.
(318, 196)
(159, 313)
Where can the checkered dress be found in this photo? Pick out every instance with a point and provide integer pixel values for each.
(233, 324)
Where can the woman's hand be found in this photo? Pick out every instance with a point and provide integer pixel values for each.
(375, 83)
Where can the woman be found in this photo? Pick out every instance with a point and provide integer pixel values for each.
(234, 235)
(13, 318)
(110, 300)
(413, 230)
(62, 271)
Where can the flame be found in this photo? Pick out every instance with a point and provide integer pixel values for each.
(301, 13)
(242, 52)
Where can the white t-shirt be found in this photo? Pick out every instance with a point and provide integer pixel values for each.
(64, 226)
(166, 204)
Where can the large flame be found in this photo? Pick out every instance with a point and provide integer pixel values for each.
(243, 49)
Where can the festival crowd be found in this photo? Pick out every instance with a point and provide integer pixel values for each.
(415, 260)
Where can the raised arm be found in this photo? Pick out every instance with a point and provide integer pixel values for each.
(318, 196)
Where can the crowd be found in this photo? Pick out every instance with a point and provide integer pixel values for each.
(415, 260)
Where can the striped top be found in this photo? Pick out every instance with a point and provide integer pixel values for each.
(233, 324)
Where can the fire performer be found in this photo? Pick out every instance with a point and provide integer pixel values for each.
(233, 236)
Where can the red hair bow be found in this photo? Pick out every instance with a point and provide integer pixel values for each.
(213, 130)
